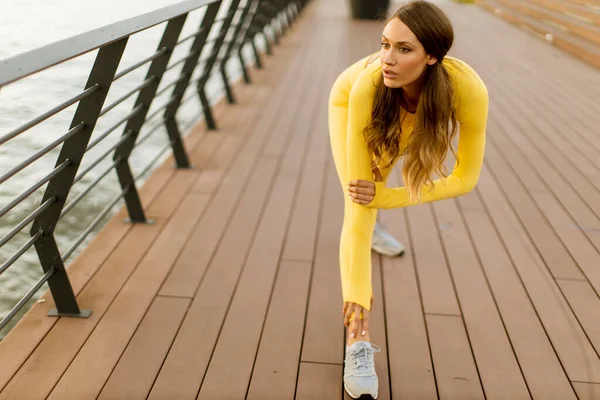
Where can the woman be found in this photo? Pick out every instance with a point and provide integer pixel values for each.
(408, 103)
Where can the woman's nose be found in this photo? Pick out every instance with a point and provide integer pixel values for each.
(389, 59)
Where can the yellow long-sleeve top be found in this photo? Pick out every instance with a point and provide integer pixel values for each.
(350, 105)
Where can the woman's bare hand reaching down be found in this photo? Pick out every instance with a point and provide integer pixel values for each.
(358, 329)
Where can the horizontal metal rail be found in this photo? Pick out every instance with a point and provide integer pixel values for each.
(28, 296)
(121, 99)
(94, 223)
(27, 221)
(183, 60)
(192, 36)
(37, 60)
(110, 130)
(40, 153)
(98, 160)
(151, 164)
(148, 134)
(153, 57)
(20, 252)
(32, 189)
(16, 132)
(88, 188)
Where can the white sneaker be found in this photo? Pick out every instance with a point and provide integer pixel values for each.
(385, 244)
(360, 377)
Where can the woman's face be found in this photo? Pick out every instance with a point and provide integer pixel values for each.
(403, 58)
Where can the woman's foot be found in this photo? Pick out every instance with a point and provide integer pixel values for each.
(360, 377)
(384, 243)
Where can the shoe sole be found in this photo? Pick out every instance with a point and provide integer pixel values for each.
(387, 253)
(356, 397)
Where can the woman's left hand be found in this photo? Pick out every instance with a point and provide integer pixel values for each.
(361, 191)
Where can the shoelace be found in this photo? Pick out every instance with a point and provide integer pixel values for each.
(363, 359)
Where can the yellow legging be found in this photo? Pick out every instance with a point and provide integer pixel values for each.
(350, 102)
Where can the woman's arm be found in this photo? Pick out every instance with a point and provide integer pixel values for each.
(472, 112)
(360, 220)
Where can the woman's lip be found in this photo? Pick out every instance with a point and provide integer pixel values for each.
(389, 74)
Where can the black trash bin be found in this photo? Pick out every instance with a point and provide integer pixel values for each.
(369, 9)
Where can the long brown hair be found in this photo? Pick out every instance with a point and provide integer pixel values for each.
(435, 119)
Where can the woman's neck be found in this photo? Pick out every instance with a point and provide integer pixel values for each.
(411, 94)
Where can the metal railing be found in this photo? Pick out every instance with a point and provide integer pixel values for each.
(215, 42)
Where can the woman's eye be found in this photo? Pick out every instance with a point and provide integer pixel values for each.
(384, 45)
(404, 49)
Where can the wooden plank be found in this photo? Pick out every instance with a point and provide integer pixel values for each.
(87, 373)
(568, 339)
(231, 364)
(301, 236)
(569, 126)
(214, 293)
(585, 304)
(280, 344)
(324, 329)
(411, 370)
(177, 187)
(186, 364)
(277, 362)
(551, 165)
(434, 278)
(180, 182)
(541, 367)
(455, 370)
(496, 362)
(559, 164)
(248, 109)
(572, 235)
(135, 372)
(323, 339)
(319, 381)
(52, 356)
(189, 269)
(552, 250)
(22, 340)
(587, 391)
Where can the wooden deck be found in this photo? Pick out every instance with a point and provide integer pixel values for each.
(234, 293)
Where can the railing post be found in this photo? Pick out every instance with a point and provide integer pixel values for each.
(134, 125)
(249, 37)
(179, 153)
(88, 111)
(260, 15)
(230, 45)
(210, 62)
(272, 15)
(282, 13)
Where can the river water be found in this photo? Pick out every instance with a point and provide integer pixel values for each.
(29, 24)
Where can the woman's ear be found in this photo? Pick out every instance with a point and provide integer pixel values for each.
(432, 60)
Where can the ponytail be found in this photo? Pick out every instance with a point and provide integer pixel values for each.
(435, 127)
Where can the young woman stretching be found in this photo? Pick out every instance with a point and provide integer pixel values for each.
(409, 103)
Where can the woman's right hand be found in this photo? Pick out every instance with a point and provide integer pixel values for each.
(362, 325)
